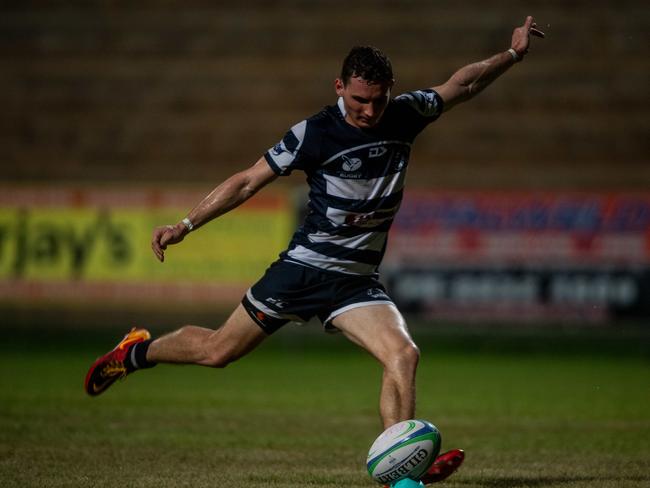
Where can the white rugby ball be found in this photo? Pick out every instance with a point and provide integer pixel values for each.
(404, 450)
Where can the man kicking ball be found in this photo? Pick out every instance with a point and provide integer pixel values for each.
(355, 154)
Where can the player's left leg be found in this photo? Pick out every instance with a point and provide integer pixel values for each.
(188, 345)
(381, 330)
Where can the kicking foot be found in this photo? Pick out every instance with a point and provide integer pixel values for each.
(111, 366)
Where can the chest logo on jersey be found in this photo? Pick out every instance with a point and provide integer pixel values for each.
(377, 152)
(351, 164)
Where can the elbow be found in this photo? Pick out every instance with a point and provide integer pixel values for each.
(255, 178)
(471, 90)
(462, 89)
(248, 182)
(464, 93)
(248, 188)
(474, 88)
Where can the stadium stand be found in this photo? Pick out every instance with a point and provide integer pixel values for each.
(191, 90)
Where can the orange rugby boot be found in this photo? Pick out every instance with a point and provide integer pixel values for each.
(113, 365)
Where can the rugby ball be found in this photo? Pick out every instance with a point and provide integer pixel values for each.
(404, 450)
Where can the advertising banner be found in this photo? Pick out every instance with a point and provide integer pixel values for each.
(94, 244)
(524, 257)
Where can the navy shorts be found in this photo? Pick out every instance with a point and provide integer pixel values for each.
(290, 292)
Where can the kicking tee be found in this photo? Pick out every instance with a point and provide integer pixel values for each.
(356, 179)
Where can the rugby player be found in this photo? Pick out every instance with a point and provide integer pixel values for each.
(355, 154)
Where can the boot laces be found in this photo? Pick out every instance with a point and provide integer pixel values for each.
(114, 368)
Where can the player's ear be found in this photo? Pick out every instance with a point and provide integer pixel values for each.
(339, 86)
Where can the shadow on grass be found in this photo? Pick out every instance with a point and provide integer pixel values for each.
(517, 482)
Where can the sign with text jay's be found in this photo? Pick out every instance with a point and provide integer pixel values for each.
(522, 256)
(88, 244)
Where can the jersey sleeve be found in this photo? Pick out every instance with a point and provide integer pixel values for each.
(427, 103)
(422, 107)
(291, 152)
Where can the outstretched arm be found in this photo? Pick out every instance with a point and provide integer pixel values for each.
(470, 80)
(225, 197)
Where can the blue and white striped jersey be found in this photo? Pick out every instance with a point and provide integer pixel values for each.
(356, 179)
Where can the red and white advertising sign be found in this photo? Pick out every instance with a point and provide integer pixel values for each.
(522, 255)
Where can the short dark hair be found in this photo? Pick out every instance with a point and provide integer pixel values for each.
(369, 63)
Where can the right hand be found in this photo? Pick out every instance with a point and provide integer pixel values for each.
(166, 235)
(521, 36)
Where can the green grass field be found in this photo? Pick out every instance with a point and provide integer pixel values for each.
(302, 411)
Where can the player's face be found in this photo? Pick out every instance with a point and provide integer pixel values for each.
(364, 103)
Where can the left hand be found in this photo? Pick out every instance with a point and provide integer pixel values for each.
(166, 235)
(521, 36)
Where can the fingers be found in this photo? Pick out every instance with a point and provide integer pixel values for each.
(537, 33)
(158, 242)
(531, 27)
(158, 250)
(533, 30)
(528, 22)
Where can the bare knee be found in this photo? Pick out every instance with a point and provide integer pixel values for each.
(207, 347)
(220, 352)
(218, 356)
(204, 345)
(404, 359)
(236, 338)
(217, 361)
(411, 355)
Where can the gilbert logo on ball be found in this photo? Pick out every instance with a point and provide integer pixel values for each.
(404, 450)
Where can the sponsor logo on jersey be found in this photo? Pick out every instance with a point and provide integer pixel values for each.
(359, 219)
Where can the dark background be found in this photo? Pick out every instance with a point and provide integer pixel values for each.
(187, 91)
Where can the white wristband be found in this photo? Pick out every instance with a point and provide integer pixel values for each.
(187, 223)
(514, 55)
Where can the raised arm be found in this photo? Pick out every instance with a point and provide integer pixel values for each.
(470, 80)
(225, 197)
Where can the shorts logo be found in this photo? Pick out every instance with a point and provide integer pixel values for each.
(276, 302)
(278, 149)
(351, 164)
(261, 316)
(376, 152)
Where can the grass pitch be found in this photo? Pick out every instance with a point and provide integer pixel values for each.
(301, 411)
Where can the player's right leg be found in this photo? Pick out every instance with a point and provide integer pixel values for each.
(188, 345)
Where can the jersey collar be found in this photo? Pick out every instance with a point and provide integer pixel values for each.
(341, 106)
